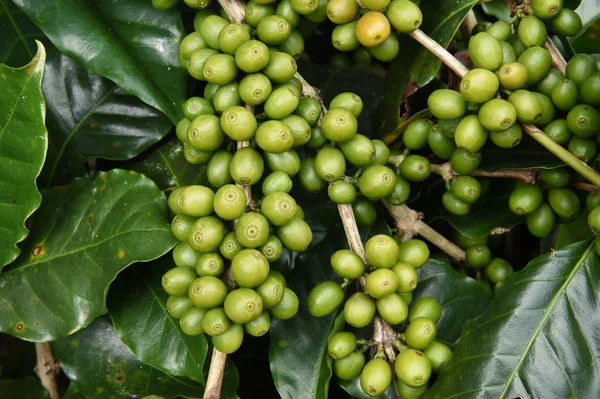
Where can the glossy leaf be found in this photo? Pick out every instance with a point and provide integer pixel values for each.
(496, 8)
(104, 368)
(137, 305)
(528, 154)
(83, 235)
(73, 392)
(300, 364)
(133, 44)
(91, 117)
(589, 38)
(489, 214)
(18, 33)
(566, 234)
(353, 388)
(415, 66)
(166, 165)
(23, 144)
(461, 297)
(24, 388)
(538, 337)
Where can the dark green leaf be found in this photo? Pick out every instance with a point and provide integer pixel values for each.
(137, 305)
(528, 154)
(353, 388)
(566, 234)
(461, 297)
(300, 364)
(91, 117)
(104, 368)
(73, 392)
(496, 8)
(83, 235)
(18, 33)
(25, 388)
(538, 337)
(489, 214)
(23, 144)
(130, 43)
(589, 38)
(415, 66)
(167, 166)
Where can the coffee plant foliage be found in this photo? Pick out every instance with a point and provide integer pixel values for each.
(299, 199)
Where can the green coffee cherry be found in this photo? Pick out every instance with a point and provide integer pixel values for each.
(546, 85)
(209, 92)
(217, 170)
(564, 202)
(584, 149)
(341, 11)
(299, 127)
(465, 162)
(558, 131)
(546, 9)
(376, 377)
(330, 164)
(252, 56)
(580, 67)
(255, 12)
(281, 103)
(232, 37)
(478, 256)
(541, 221)
(195, 64)
(274, 136)
(325, 298)
(205, 133)
(420, 333)
(177, 281)
(162, 5)
(276, 182)
(416, 134)
(529, 108)
(227, 96)
(405, 16)
(364, 212)
(532, 31)
(592, 201)
(497, 115)
(407, 392)
(567, 23)
(583, 121)
(252, 230)
(272, 249)
(308, 176)
(525, 199)
(279, 208)
(273, 30)
(210, 29)
(564, 95)
(513, 76)
(173, 200)
(594, 221)
(196, 201)
(238, 123)
(498, 270)
(500, 30)
(382, 251)
(347, 264)
(196, 106)
(348, 101)
(219, 69)
(590, 90)
(548, 110)
(446, 104)
(246, 167)
(341, 192)
(191, 321)
(243, 305)
(206, 234)
(382, 154)
(538, 62)
(209, 264)
(508, 53)
(349, 367)
(412, 368)
(231, 340)
(454, 205)
(215, 322)
(230, 246)
(184, 255)
(293, 45)
(508, 138)
(381, 283)
(388, 50)
(181, 129)
(415, 168)
(479, 86)
(401, 192)
(414, 252)
(230, 202)
(259, 326)
(407, 277)
(392, 308)
(339, 124)
(359, 150)
(341, 345)
(272, 290)
(437, 353)
(377, 182)
(441, 145)
(466, 188)
(309, 109)
(425, 307)
(288, 307)
(255, 88)
(359, 310)
(295, 235)
(207, 292)
(181, 226)
(485, 51)
(288, 162)
(470, 134)
(249, 268)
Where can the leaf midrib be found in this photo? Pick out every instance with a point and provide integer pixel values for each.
(545, 317)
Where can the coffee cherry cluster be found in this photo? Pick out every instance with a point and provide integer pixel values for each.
(198, 296)
(368, 32)
(389, 278)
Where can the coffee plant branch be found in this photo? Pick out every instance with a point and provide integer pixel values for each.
(47, 368)
(563, 154)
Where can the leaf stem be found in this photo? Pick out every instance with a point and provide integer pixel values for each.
(580, 167)
(47, 367)
(558, 61)
(409, 222)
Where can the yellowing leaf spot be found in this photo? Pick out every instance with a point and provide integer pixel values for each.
(135, 39)
(121, 254)
(93, 202)
(99, 390)
(3, 76)
(20, 326)
(103, 175)
(592, 36)
(116, 144)
(103, 187)
(282, 343)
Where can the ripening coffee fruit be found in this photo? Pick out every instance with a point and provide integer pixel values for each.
(425, 307)
(359, 310)
(296, 235)
(382, 251)
(420, 333)
(349, 367)
(377, 182)
(437, 353)
(177, 281)
(341, 345)
(347, 264)
(243, 305)
(479, 85)
(392, 308)
(249, 268)
(376, 377)
(525, 199)
(325, 298)
(191, 321)
(414, 252)
(412, 368)
(407, 277)
(381, 283)
(207, 292)
(230, 202)
(405, 16)
(288, 307)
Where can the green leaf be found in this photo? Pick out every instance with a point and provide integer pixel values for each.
(83, 235)
(415, 66)
(132, 43)
(589, 38)
(528, 154)
(461, 297)
(104, 368)
(300, 364)
(73, 392)
(18, 33)
(166, 165)
(538, 337)
(24, 388)
(23, 144)
(496, 8)
(91, 117)
(566, 234)
(489, 214)
(137, 305)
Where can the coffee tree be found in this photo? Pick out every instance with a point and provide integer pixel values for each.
(299, 199)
